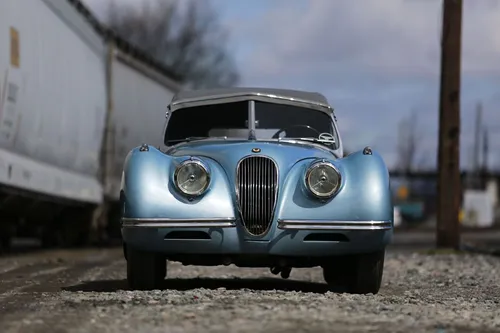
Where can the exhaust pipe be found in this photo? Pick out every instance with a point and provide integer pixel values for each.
(275, 270)
(285, 273)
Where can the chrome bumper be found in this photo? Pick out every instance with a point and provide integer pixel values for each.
(334, 225)
(231, 222)
(178, 223)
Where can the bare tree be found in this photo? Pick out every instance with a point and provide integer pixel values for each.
(407, 143)
(185, 35)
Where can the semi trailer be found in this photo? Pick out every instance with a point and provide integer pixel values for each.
(74, 99)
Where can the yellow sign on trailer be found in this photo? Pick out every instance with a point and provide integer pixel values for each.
(14, 48)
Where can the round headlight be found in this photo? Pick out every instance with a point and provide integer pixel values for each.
(323, 179)
(191, 177)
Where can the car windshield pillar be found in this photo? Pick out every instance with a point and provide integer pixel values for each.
(251, 120)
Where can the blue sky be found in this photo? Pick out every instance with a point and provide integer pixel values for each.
(375, 60)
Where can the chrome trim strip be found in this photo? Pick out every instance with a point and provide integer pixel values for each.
(335, 152)
(246, 96)
(216, 222)
(333, 225)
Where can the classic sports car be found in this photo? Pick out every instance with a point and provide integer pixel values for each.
(256, 178)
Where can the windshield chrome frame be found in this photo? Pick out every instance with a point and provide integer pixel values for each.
(239, 97)
(251, 126)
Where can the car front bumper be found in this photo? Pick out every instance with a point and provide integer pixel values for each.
(226, 236)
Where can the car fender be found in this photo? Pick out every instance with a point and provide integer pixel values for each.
(364, 194)
(148, 189)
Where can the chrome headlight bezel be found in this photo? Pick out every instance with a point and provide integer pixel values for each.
(200, 164)
(314, 166)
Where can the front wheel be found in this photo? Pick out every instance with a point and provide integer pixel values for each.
(360, 274)
(145, 270)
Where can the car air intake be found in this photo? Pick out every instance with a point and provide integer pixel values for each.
(257, 185)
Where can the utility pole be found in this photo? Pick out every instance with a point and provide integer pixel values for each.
(486, 148)
(484, 168)
(449, 182)
(477, 145)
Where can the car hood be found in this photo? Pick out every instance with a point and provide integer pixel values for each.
(229, 153)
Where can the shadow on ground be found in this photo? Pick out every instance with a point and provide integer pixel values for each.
(260, 284)
(22, 246)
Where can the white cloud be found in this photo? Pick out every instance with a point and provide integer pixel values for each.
(399, 37)
(374, 59)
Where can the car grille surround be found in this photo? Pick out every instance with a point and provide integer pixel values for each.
(257, 189)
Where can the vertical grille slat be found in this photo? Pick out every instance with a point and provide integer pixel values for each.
(257, 183)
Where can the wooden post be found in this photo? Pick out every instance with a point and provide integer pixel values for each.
(449, 183)
(477, 146)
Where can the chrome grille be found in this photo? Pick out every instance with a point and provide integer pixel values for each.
(257, 185)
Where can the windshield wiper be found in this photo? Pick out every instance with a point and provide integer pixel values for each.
(189, 138)
(325, 141)
(196, 138)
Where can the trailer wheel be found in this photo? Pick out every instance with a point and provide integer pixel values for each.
(49, 237)
(76, 228)
(72, 228)
(5, 243)
(6, 235)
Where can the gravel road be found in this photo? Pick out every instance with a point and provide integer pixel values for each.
(85, 291)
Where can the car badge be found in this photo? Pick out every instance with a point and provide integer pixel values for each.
(255, 150)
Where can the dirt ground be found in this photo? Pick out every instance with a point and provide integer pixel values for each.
(86, 291)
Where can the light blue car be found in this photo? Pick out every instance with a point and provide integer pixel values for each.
(256, 178)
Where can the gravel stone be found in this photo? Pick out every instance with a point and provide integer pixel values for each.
(420, 293)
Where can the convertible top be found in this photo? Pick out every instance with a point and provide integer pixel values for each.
(305, 99)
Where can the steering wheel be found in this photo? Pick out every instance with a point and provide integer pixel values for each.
(284, 129)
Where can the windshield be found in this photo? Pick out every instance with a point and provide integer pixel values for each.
(230, 120)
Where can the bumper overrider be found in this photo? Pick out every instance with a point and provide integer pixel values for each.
(287, 237)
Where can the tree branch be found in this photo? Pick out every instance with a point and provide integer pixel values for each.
(184, 35)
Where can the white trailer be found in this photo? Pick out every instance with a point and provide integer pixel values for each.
(52, 112)
(69, 112)
(53, 100)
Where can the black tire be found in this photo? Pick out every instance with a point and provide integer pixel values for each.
(360, 274)
(49, 237)
(145, 270)
(5, 243)
(76, 235)
(72, 228)
(6, 235)
(69, 233)
(77, 229)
